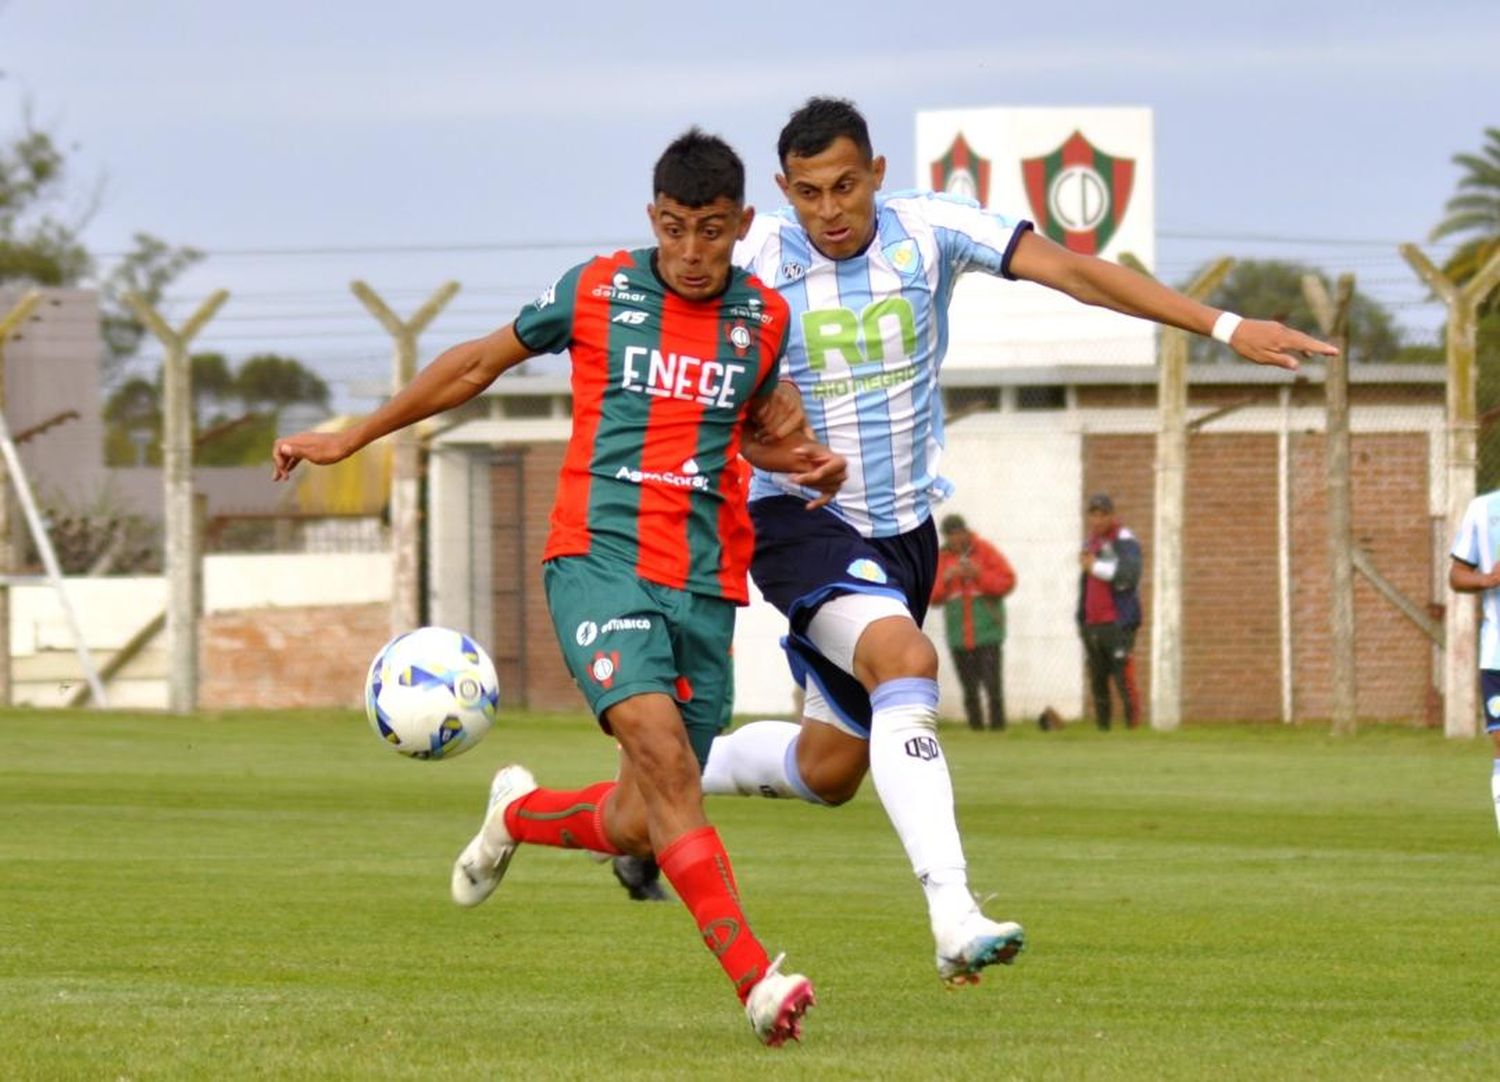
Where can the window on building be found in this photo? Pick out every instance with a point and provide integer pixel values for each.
(1043, 397)
(959, 401)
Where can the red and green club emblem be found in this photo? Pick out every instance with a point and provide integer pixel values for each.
(1078, 193)
(962, 172)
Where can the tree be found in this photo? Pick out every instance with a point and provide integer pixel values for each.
(214, 388)
(269, 382)
(236, 412)
(36, 246)
(147, 270)
(39, 242)
(132, 424)
(1474, 215)
(1272, 289)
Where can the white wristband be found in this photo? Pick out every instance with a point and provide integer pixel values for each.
(1224, 326)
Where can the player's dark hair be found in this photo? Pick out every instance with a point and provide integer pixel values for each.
(697, 169)
(813, 128)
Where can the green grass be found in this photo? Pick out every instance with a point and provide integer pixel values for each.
(255, 895)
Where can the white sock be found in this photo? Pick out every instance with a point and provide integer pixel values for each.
(1495, 791)
(758, 759)
(911, 778)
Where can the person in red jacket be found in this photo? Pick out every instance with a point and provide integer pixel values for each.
(973, 579)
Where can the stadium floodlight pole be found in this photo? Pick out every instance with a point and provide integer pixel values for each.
(1460, 658)
(1171, 495)
(406, 535)
(1332, 315)
(8, 324)
(182, 549)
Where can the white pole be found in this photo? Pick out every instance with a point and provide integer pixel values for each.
(177, 473)
(406, 605)
(1284, 545)
(49, 560)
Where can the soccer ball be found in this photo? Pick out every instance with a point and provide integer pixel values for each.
(431, 693)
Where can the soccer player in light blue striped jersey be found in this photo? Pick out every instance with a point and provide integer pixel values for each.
(1474, 570)
(868, 277)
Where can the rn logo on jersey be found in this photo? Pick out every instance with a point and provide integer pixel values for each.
(962, 172)
(791, 271)
(923, 747)
(1078, 193)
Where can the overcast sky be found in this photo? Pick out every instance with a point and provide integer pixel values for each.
(500, 143)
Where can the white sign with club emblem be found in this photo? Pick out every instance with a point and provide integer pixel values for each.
(1086, 178)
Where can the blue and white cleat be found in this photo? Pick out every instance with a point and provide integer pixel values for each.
(974, 943)
(480, 867)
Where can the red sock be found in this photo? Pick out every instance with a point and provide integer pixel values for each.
(567, 818)
(697, 866)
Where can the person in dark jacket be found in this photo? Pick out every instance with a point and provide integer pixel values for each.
(973, 579)
(1109, 609)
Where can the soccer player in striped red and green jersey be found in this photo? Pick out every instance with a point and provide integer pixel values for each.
(675, 356)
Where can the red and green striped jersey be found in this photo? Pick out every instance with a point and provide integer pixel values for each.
(661, 386)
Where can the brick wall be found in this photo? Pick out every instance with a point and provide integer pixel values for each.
(1231, 620)
(1393, 660)
(521, 497)
(290, 657)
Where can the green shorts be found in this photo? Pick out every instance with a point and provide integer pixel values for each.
(623, 636)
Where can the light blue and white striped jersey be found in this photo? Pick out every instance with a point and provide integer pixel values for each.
(1478, 544)
(868, 337)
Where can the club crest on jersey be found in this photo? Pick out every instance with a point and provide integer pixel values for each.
(739, 338)
(903, 257)
(587, 632)
(1493, 705)
(963, 173)
(604, 666)
(868, 570)
(1078, 193)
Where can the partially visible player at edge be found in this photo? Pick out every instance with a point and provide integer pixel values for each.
(868, 278)
(1473, 570)
(673, 351)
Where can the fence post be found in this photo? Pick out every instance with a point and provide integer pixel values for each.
(1460, 660)
(8, 324)
(406, 606)
(1333, 321)
(177, 475)
(1171, 496)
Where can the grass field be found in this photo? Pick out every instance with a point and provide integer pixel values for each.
(265, 896)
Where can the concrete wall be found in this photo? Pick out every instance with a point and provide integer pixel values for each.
(52, 366)
(278, 630)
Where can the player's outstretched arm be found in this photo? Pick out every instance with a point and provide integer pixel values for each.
(457, 375)
(1109, 285)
